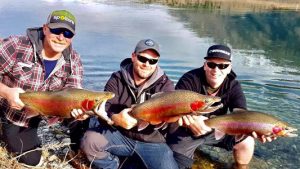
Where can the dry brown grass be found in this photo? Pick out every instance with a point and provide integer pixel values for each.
(236, 4)
(6, 160)
(50, 161)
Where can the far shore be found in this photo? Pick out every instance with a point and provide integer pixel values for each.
(234, 4)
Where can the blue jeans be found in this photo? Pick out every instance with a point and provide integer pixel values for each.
(103, 145)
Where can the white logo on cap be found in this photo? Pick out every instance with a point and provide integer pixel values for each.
(149, 42)
(63, 18)
(220, 51)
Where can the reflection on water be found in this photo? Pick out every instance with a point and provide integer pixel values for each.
(265, 49)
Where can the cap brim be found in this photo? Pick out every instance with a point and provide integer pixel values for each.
(141, 50)
(61, 25)
(216, 57)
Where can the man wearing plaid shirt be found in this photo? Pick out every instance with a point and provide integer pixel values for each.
(43, 60)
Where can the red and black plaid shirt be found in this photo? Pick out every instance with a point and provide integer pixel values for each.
(20, 66)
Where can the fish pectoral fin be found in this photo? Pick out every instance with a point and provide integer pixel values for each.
(53, 120)
(162, 126)
(142, 125)
(30, 112)
(219, 134)
(239, 138)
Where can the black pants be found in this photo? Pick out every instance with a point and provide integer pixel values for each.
(20, 139)
(77, 129)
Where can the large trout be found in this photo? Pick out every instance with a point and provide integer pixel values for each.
(245, 122)
(170, 106)
(61, 103)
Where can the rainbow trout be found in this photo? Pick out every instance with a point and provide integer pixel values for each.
(245, 122)
(168, 107)
(61, 103)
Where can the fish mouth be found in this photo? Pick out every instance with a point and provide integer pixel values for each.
(289, 132)
(99, 110)
(209, 109)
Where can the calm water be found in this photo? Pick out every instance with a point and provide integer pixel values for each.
(265, 49)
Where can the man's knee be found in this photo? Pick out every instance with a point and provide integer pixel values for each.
(243, 151)
(93, 145)
(247, 144)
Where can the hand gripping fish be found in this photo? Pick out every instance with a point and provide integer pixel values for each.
(168, 107)
(241, 123)
(61, 103)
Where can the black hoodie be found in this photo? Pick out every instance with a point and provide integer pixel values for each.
(230, 90)
(122, 84)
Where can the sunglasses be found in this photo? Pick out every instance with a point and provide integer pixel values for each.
(213, 65)
(144, 60)
(65, 32)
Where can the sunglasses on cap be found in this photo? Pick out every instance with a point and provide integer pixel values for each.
(65, 32)
(213, 65)
(144, 60)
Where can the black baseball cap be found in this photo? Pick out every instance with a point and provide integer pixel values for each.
(219, 51)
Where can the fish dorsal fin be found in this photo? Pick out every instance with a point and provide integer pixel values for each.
(219, 134)
(157, 94)
(142, 125)
(162, 126)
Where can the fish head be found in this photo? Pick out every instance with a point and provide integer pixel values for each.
(204, 104)
(92, 101)
(284, 131)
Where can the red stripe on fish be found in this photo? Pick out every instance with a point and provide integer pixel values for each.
(160, 113)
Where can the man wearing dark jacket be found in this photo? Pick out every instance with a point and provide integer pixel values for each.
(139, 78)
(43, 60)
(215, 78)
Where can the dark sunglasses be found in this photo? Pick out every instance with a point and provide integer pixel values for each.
(213, 65)
(65, 32)
(144, 60)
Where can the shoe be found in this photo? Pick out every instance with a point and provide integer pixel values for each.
(31, 166)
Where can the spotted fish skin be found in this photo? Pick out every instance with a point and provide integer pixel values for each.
(245, 122)
(170, 106)
(61, 103)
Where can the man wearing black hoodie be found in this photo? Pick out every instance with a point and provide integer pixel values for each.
(214, 78)
(139, 78)
(43, 60)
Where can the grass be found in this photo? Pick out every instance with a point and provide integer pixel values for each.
(234, 4)
(7, 160)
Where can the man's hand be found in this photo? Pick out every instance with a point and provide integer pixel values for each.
(195, 124)
(78, 114)
(12, 96)
(263, 138)
(124, 120)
